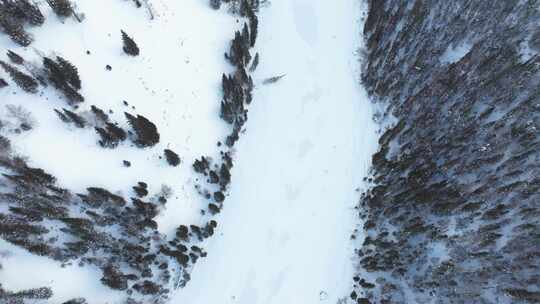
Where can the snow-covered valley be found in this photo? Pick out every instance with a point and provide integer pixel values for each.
(287, 222)
(286, 227)
(269, 152)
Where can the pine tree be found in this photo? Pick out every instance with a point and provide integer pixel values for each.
(25, 82)
(14, 29)
(31, 11)
(245, 33)
(130, 47)
(75, 118)
(62, 8)
(64, 77)
(111, 135)
(70, 72)
(172, 158)
(146, 132)
(253, 28)
(14, 57)
(100, 114)
(255, 63)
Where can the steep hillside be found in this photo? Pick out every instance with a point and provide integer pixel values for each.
(453, 215)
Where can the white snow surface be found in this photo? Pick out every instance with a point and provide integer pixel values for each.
(284, 234)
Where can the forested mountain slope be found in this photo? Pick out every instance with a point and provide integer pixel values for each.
(453, 215)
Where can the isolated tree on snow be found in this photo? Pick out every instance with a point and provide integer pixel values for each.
(25, 82)
(130, 47)
(62, 8)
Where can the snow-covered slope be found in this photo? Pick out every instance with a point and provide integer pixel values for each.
(285, 230)
(175, 82)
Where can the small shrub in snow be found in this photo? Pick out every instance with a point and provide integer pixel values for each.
(25, 82)
(166, 191)
(273, 79)
(172, 158)
(130, 47)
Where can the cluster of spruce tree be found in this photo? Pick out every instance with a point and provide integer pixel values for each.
(21, 297)
(237, 95)
(237, 88)
(62, 8)
(143, 132)
(24, 81)
(453, 214)
(15, 14)
(64, 76)
(218, 177)
(104, 229)
(241, 7)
